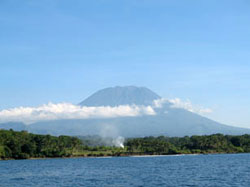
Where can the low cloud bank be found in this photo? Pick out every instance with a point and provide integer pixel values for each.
(52, 111)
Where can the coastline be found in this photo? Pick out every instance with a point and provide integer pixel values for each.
(128, 155)
(16, 145)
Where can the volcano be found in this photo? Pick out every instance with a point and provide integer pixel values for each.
(167, 121)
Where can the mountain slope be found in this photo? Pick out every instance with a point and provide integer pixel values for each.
(177, 122)
(17, 126)
(116, 96)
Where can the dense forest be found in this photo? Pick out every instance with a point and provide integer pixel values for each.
(23, 145)
(216, 143)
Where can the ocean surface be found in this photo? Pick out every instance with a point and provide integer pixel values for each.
(186, 170)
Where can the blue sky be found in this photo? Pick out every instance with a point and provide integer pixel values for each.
(63, 51)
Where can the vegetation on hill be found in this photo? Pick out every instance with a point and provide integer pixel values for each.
(216, 143)
(23, 145)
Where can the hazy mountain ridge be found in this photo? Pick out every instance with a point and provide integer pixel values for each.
(167, 121)
(17, 126)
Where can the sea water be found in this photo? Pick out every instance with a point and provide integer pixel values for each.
(184, 170)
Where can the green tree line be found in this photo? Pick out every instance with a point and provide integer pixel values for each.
(216, 143)
(23, 145)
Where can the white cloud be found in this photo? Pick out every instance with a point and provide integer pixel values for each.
(178, 103)
(158, 103)
(69, 111)
(52, 111)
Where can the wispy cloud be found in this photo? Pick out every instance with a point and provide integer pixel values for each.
(69, 111)
(178, 103)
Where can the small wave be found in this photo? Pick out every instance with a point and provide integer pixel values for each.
(142, 156)
(104, 157)
(18, 179)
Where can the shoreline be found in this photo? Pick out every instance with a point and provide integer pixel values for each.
(135, 156)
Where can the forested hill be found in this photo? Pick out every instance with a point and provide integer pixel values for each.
(23, 145)
(216, 143)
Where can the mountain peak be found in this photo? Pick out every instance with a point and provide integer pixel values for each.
(121, 95)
